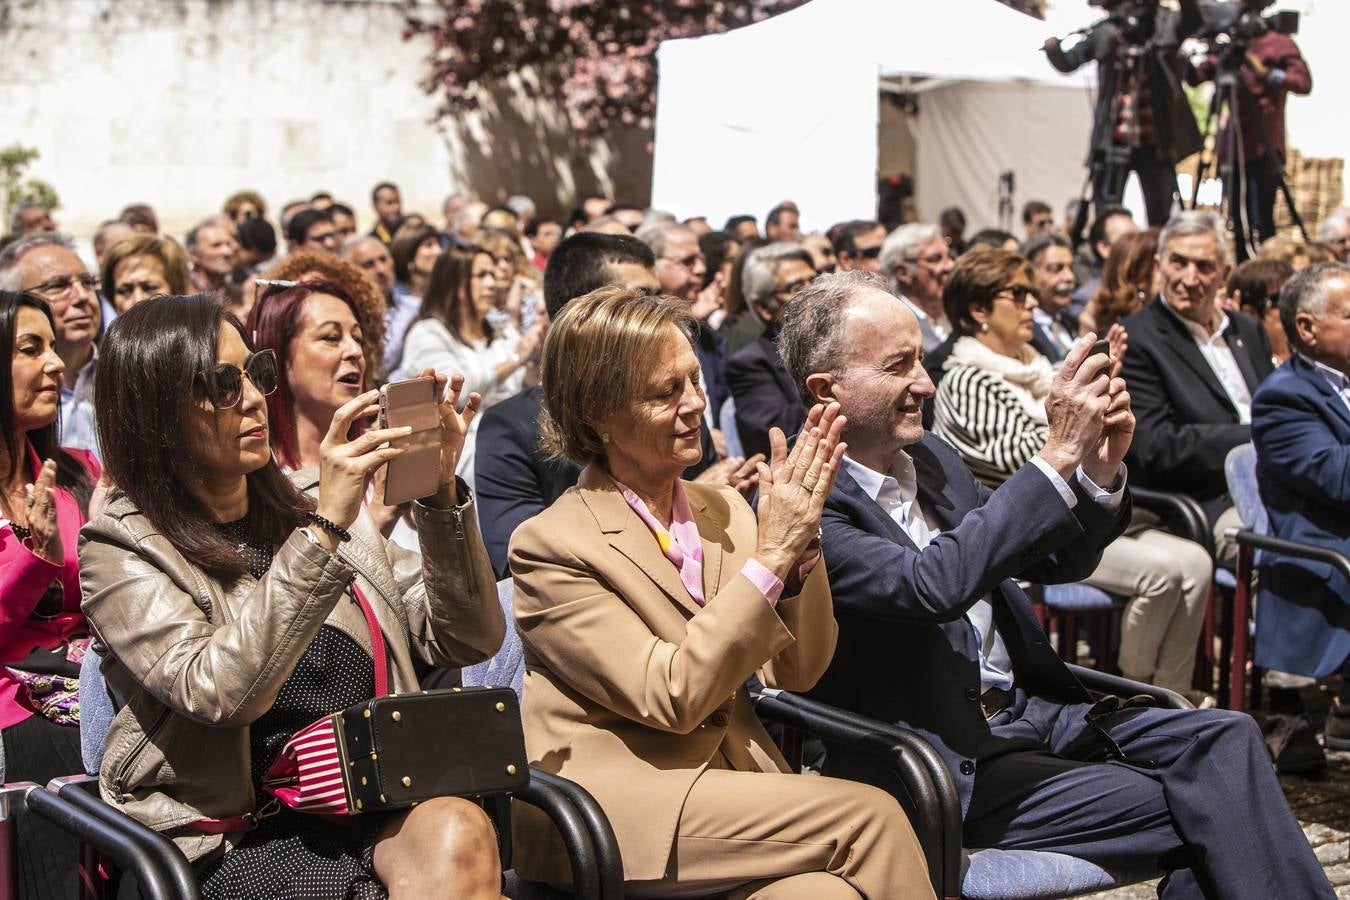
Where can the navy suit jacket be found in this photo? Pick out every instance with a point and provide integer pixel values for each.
(906, 654)
(1301, 429)
(1184, 422)
(765, 395)
(514, 479)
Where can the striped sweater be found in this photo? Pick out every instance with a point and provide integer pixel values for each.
(979, 414)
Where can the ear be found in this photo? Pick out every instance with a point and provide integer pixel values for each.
(979, 313)
(1307, 336)
(821, 386)
(903, 275)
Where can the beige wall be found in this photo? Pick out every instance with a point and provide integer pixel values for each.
(181, 102)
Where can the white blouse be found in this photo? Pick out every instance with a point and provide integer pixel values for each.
(430, 344)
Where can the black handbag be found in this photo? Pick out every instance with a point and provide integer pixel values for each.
(397, 750)
(405, 748)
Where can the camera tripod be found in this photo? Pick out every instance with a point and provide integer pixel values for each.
(1227, 155)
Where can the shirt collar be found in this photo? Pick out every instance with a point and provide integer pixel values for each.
(1198, 332)
(1338, 380)
(902, 475)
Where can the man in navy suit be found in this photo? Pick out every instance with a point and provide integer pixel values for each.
(1301, 428)
(764, 393)
(935, 635)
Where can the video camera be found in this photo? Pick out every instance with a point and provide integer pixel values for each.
(1241, 21)
(1133, 17)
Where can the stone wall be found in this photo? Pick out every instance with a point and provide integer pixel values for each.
(179, 103)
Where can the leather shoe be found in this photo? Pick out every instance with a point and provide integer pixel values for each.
(1292, 742)
(1337, 735)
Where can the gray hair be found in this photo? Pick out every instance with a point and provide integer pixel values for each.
(16, 217)
(656, 234)
(351, 243)
(521, 205)
(1336, 220)
(1043, 242)
(1193, 222)
(902, 246)
(474, 210)
(759, 272)
(811, 332)
(12, 255)
(1307, 292)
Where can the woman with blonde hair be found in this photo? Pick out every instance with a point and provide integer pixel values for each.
(144, 266)
(644, 603)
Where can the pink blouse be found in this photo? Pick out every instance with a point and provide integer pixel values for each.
(25, 578)
(683, 547)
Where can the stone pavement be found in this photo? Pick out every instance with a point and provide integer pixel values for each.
(1322, 805)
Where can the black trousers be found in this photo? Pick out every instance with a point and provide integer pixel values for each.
(1157, 180)
(39, 750)
(1198, 791)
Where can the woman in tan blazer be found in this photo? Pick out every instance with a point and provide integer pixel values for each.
(644, 603)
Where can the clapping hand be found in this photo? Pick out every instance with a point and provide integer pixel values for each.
(793, 487)
(1076, 408)
(42, 523)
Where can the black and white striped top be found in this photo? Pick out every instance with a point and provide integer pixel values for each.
(979, 414)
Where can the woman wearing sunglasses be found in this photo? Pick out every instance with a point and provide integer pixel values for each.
(990, 406)
(44, 499)
(223, 593)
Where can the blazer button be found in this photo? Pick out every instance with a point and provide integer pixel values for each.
(967, 767)
(720, 718)
(972, 694)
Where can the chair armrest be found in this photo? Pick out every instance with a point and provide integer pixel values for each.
(573, 828)
(1102, 683)
(1297, 549)
(606, 845)
(1186, 515)
(81, 792)
(922, 772)
(131, 845)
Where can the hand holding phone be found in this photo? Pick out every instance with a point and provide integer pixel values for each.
(416, 473)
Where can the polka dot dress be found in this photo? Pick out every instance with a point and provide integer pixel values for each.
(299, 856)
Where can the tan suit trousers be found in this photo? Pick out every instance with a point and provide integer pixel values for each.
(770, 836)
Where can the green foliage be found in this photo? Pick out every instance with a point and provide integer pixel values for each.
(14, 188)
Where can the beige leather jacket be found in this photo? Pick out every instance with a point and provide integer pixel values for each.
(195, 660)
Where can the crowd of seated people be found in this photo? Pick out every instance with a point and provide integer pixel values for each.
(192, 463)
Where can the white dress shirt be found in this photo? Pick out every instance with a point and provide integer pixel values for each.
(78, 430)
(897, 493)
(1214, 348)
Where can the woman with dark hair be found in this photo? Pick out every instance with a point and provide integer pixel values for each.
(234, 604)
(990, 406)
(1254, 288)
(415, 247)
(44, 499)
(1129, 280)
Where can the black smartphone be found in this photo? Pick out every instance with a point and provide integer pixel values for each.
(1102, 346)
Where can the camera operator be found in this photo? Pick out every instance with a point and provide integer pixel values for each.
(1143, 121)
(1271, 67)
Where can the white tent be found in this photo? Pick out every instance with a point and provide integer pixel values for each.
(788, 108)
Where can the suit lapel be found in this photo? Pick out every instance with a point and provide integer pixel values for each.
(880, 522)
(1176, 336)
(712, 528)
(630, 536)
(1242, 354)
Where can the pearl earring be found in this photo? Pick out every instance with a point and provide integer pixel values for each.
(604, 438)
(984, 326)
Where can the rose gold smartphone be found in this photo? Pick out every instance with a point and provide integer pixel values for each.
(417, 473)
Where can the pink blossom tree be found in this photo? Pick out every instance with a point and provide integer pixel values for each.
(599, 56)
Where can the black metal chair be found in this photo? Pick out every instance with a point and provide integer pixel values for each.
(924, 786)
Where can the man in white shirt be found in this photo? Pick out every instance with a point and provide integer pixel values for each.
(1192, 369)
(936, 636)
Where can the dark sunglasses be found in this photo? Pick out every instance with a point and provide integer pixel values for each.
(869, 253)
(1020, 293)
(225, 382)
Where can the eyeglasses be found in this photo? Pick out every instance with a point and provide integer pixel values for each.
(57, 288)
(225, 382)
(1020, 293)
(688, 262)
(868, 252)
(788, 290)
(933, 260)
